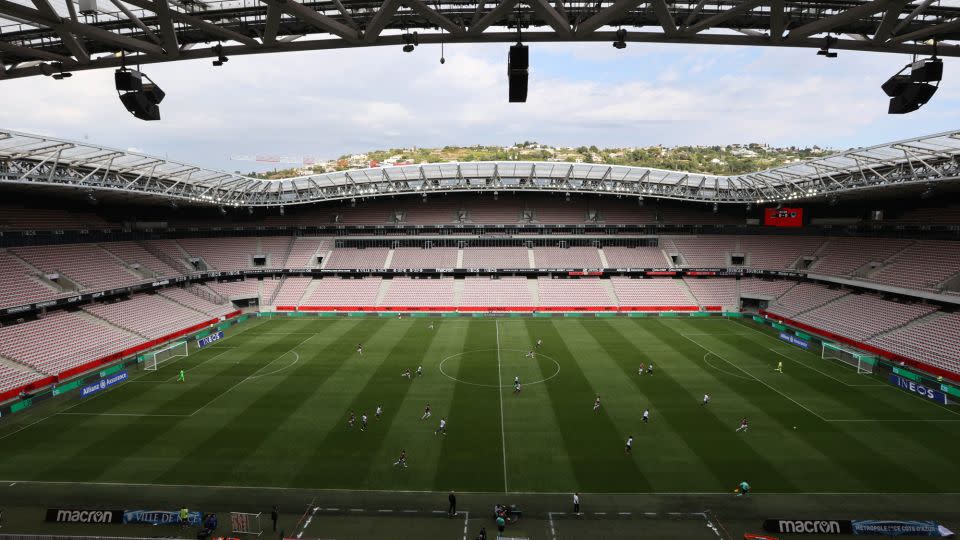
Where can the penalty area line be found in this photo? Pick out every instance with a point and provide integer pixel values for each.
(797, 403)
(254, 375)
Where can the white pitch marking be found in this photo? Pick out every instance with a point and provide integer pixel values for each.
(252, 375)
(503, 433)
(804, 407)
(24, 427)
(124, 414)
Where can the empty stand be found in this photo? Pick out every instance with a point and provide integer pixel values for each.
(802, 298)
(705, 251)
(236, 290)
(18, 287)
(842, 256)
(40, 219)
(149, 315)
(861, 316)
(134, 254)
(657, 292)
(767, 289)
(635, 257)
(495, 257)
(87, 265)
(439, 257)
(922, 265)
(341, 258)
(502, 292)
(290, 291)
(192, 301)
(934, 340)
(60, 341)
(574, 257)
(714, 292)
(777, 252)
(574, 292)
(222, 253)
(304, 251)
(343, 292)
(406, 291)
(275, 249)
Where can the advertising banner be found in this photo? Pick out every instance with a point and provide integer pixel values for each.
(809, 526)
(66, 515)
(160, 517)
(783, 217)
(882, 527)
(919, 389)
(207, 340)
(103, 384)
(794, 340)
(868, 527)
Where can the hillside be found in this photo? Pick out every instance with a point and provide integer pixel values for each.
(723, 160)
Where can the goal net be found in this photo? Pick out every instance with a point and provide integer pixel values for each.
(862, 362)
(153, 359)
(245, 523)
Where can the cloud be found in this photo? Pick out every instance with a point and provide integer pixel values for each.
(325, 104)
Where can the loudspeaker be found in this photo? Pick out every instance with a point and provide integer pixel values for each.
(153, 93)
(140, 105)
(927, 70)
(519, 57)
(896, 85)
(128, 80)
(518, 61)
(518, 86)
(912, 98)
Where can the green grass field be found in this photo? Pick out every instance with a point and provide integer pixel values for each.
(268, 407)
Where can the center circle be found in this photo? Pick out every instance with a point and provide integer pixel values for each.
(510, 363)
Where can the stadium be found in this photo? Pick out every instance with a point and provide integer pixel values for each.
(703, 339)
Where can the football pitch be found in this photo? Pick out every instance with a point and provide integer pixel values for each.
(269, 407)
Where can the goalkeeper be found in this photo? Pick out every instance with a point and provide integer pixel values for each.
(182, 377)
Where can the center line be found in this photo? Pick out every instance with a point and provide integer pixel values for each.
(503, 436)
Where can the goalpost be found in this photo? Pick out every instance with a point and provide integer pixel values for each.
(244, 523)
(862, 362)
(153, 359)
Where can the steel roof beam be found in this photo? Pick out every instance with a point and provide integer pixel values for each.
(739, 9)
(312, 17)
(495, 15)
(69, 40)
(827, 24)
(380, 20)
(90, 31)
(607, 15)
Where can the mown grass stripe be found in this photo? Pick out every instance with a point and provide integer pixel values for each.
(859, 460)
(471, 458)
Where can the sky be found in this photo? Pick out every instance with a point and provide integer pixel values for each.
(324, 104)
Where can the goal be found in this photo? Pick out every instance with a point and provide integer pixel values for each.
(153, 359)
(245, 523)
(862, 362)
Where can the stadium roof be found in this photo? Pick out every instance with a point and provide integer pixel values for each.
(36, 160)
(44, 36)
